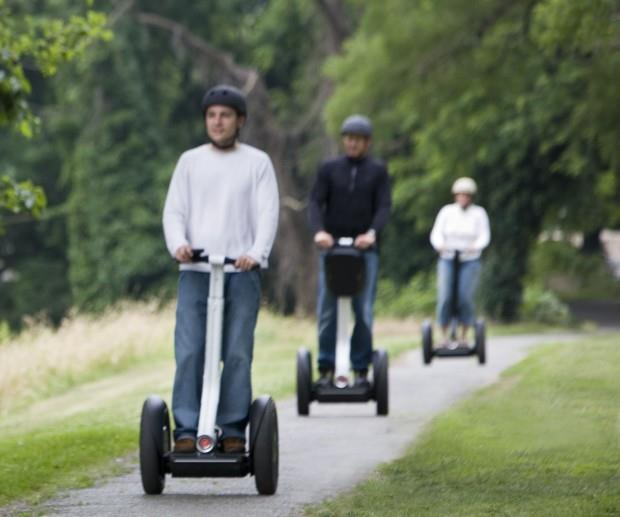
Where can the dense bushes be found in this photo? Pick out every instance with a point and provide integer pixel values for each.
(563, 269)
(416, 298)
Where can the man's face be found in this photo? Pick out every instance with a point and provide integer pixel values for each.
(222, 123)
(355, 146)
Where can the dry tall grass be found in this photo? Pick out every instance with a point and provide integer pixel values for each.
(43, 359)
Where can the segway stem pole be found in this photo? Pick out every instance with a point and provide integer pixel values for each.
(343, 342)
(207, 439)
(456, 262)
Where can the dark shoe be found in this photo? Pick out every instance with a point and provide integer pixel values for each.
(185, 444)
(326, 378)
(232, 444)
(360, 378)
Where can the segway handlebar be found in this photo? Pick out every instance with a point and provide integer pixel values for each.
(348, 242)
(199, 256)
(344, 241)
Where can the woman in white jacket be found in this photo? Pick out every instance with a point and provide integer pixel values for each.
(461, 227)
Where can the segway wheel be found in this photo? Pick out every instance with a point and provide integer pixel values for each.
(481, 341)
(427, 342)
(154, 444)
(264, 449)
(380, 381)
(304, 381)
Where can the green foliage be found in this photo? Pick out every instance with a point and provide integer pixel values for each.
(118, 171)
(44, 42)
(416, 298)
(116, 120)
(5, 331)
(21, 196)
(561, 268)
(503, 92)
(33, 47)
(32, 251)
(543, 306)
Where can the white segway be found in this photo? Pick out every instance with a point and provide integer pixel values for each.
(454, 348)
(344, 272)
(261, 460)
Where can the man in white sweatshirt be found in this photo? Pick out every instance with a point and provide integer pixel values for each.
(223, 198)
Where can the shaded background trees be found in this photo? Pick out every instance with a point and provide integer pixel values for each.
(518, 94)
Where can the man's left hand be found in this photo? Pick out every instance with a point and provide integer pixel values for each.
(365, 240)
(245, 263)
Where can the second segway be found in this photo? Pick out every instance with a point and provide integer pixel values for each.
(454, 348)
(345, 274)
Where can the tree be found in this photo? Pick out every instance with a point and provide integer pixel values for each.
(43, 44)
(32, 48)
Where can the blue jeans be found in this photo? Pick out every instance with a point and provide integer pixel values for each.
(242, 300)
(361, 340)
(469, 273)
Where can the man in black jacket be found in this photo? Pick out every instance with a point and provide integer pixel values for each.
(350, 198)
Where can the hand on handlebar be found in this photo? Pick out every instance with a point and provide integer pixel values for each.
(245, 263)
(365, 240)
(184, 253)
(323, 239)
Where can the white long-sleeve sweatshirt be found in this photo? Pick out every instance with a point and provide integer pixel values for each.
(225, 202)
(466, 230)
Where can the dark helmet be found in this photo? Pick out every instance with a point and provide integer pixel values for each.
(225, 95)
(357, 125)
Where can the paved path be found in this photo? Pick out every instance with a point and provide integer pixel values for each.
(321, 455)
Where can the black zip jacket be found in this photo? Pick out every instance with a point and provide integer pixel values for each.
(350, 197)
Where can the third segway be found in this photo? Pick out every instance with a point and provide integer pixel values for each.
(453, 348)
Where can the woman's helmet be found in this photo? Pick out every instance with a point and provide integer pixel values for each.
(225, 95)
(357, 125)
(464, 186)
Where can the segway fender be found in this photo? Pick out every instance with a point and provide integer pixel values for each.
(257, 413)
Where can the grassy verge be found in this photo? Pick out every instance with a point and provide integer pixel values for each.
(70, 400)
(543, 441)
(531, 327)
(43, 362)
(72, 439)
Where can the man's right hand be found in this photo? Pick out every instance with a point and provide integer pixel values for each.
(323, 239)
(184, 253)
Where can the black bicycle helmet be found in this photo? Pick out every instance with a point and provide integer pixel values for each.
(225, 95)
(357, 125)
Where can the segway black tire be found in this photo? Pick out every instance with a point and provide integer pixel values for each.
(380, 381)
(427, 342)
(481, 351)
(154, 444)
(304, 381)
(264, 446)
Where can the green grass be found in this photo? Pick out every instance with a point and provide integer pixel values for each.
(88, 429)
(532, 327)
(545, 440)
(72, 439)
